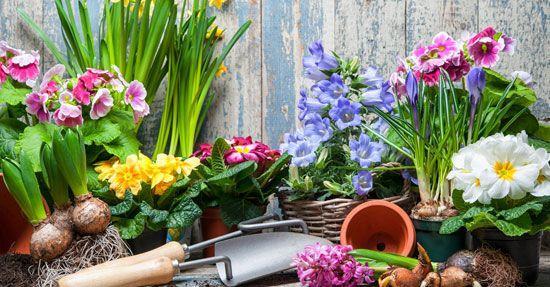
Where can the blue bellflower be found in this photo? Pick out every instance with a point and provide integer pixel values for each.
(317, 129)
(365, 151)
(329, 91)
(345, 113)
(317, 62)
(380, 97)
(300, 148)
(307, 105)
(362, 182)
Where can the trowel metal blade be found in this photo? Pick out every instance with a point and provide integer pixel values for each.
(259, 255)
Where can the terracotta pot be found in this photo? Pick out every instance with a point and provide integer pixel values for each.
(379, 225)
(212, 226)
(16, 231)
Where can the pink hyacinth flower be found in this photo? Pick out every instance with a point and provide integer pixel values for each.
(36, 105)
(24, 67)
(3, 73)
(485, 51)
(135, 97)
(101, 104)
(444, 44)
(68, 115)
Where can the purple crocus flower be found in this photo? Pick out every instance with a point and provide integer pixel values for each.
(364, 151)
(101, 104)
(36, 105)
(345, 113)
(362, 182)
(307, 105)
(380, 97)
(475, 82)
(317, 129)
(412, 93)
(329, 91)
(318, 62)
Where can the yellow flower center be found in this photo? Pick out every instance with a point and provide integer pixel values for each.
(476, 182)
(540, 178)
(242, 149)
(441, 48)
(504, 170)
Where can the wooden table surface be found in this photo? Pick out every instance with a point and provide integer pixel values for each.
(207, 277)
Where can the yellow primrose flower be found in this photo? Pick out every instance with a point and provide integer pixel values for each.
(222, 69)
(217, 3)
(127, 176)
(105, 168)
(163, 186)
(219, 32)
(188, 165)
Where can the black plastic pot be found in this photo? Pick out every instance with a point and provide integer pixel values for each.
(148, 240)
(525, 249)
(439, 246)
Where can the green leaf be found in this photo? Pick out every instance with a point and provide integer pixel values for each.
(9, 134)
(131, 228)
(217, 161)
(101, 131)
(183, 214)
(12, 95)
(125, 206)
(274, 169)
(519, 211)
(236, 210)
(451, 225)
(497, 83)
(525, 122)
(156, 216)
(105, 194)
(516, 227)
(124, 119)
(124, 145)
(481, 220)
(32, 138)
(166, 198)
(543, 132)
(459, 202)
(473, 211)
(233, 174)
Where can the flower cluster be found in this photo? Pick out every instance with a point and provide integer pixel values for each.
(94, 93)
(501, 166)
(455, 57)
(242, 149)
(138, 170)
(331, 111)
(19, 65)
(331, 265)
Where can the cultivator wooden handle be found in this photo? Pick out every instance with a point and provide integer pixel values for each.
(152, 272)
(172, 250)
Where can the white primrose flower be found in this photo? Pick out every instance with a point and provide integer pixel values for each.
(466, 173)
(542, 184)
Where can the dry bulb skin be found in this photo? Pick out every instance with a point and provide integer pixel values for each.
(49, 241)
(403, 277)
(62, 217)
(434, 210)
(90, 215)
(450, 277)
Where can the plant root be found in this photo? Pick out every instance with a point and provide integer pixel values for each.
(86, 251)
(495, 269)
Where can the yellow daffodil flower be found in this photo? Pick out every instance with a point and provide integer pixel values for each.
(217, 35)
(222, 69)
(216, 3)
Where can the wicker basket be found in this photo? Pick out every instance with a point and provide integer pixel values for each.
(325, 218)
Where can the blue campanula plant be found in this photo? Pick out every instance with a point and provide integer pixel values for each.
(333, 155)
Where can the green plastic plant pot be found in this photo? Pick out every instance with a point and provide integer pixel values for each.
(379, 225)
(439, 246)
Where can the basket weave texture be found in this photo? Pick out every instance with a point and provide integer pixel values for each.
(325, 218)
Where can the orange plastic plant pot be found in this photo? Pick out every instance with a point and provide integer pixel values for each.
(379, 225)
(16, 231)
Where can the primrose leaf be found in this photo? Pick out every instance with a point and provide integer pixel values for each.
(518, 211)
(497, 83)
(274, 169)
(515, 227)
(124, 119)
(473, 211)
(236, 210)
(156, 216)
(451, 225)
(458, 201)
(233, 174)
(124, 206)
(218, 151)
(131, 228)
(481, 220)
(105, 194)
(9, 134)
(12, 95)
(124, 145)
(32, 138)
(101, 131)
(183, 214)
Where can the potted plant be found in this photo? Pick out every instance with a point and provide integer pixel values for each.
(147, 198)
(504, 197)
(235, 180)
(336, 163)
(436, 116)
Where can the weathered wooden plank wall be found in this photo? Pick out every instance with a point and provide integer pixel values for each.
(258, 94)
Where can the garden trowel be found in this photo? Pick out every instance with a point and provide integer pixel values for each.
(239, 258)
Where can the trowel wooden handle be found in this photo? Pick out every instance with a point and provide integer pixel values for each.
(153, 272)
(172, 250)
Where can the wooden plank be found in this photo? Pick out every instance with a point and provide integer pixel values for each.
(237, 109)
(374, 31)
(527, 22)
(427, 18)
(12, 27)
(287, 28)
